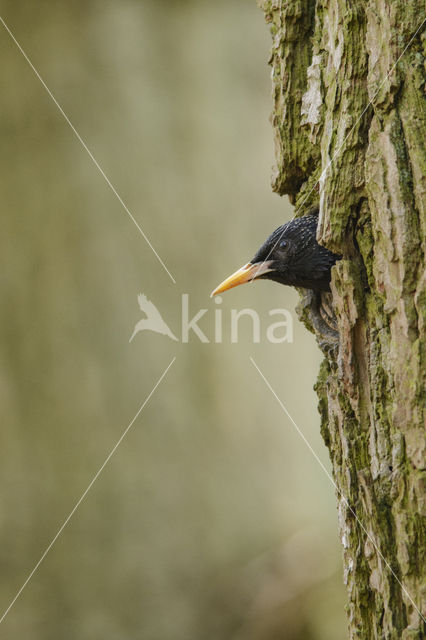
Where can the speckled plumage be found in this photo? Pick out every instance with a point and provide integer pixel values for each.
(297, 258)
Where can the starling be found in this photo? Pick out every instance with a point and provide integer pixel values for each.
(291, 255)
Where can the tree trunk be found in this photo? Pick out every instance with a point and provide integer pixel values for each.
(349, 120)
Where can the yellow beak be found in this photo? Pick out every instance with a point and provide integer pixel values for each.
(248, 273)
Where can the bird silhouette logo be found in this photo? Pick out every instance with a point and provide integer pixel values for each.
(153, 320)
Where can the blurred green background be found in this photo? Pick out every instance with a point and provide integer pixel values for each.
(212, 520)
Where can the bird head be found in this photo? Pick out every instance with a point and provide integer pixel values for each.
(291, 255)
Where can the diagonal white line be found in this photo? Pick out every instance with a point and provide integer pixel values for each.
(338, 150)
(86, 491)
(345, 500)
(86, 148)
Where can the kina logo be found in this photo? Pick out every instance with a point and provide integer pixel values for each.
(275, 332)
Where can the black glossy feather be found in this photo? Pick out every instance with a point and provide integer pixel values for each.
(298, 259)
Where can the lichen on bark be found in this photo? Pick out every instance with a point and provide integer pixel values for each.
(349, 118)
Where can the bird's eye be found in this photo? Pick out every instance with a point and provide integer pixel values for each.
(283, 244)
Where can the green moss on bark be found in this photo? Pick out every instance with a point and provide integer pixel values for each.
(350, 113)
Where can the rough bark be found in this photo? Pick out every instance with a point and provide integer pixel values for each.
(341, 95)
